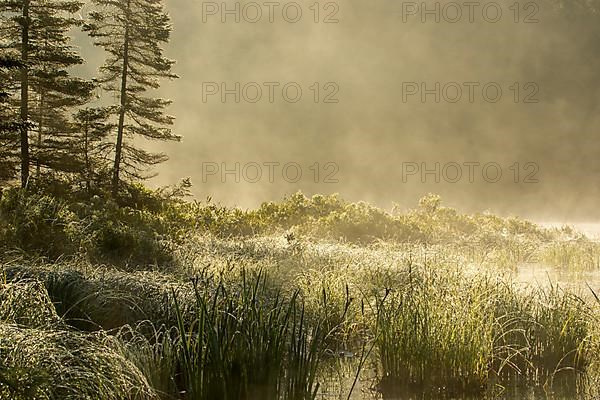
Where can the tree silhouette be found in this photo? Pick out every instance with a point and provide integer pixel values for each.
(131, 32)
(37, 33)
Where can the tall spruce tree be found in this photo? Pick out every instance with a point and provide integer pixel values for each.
(132, 32)
(38, 31)
(57, 93)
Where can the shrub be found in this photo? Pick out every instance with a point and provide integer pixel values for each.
(42, 225)
(36, 223)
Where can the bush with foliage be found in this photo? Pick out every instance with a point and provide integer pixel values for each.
(140, 230)
(143, 227)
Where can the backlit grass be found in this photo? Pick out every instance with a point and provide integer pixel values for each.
(278, 315)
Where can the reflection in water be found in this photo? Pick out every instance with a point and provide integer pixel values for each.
(564, 386)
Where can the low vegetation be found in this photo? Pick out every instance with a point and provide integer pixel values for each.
(156, 297)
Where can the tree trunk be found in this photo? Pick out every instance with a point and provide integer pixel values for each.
(88, 168)
(36, 156)
(25, 96)
(119, 145)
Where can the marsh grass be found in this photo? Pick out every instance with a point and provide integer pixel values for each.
(27, 303)
(421, 345)
(248, 342)
(273, 316)
(455, 333)
(50, 364)
(572, 255)
(153, 350)
(98, 298)
(40, 359)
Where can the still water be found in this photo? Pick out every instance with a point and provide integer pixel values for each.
(566, 390)
(537, 274)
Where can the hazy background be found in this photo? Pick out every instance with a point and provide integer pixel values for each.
(370, 132)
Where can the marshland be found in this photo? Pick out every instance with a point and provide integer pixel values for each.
(305, 298)
(251, 279)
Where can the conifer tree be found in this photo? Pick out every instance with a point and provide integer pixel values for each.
(38, 31)
(132, 32)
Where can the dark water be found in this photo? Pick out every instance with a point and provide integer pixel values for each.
(567, 390)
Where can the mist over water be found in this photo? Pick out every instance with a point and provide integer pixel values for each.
(590, 229)
(372, 136)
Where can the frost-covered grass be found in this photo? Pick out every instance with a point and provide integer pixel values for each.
(267, 315)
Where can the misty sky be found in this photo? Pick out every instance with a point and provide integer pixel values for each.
(376, 134)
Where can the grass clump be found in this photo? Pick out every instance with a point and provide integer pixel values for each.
(41, 359)
(422, 347)
(51, 364)
(248, 342)
(445, 331)
(581, 254)
(27, 303)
